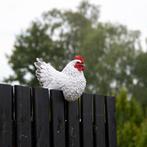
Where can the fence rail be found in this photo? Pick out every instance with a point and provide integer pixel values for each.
(28, 118)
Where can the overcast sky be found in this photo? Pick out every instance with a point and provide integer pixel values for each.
(16, 15)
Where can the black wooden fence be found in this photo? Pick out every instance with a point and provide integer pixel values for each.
(28, 118)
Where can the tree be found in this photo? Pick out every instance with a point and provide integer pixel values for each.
(113, 58)
(140, 84)
(29, 45)
(142, 136)
(113, 50)
(54, 38)
(59, 35)
(129, 116)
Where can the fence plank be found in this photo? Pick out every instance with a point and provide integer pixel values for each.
(5, 116)
(97, 127)
(41, 110)
(23, 116)
(58, 118)
(99, 121)
(87, 120)
(73, 124)
(110, 121)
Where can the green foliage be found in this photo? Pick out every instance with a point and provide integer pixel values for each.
(55, 38)
(114, 59)
(142, 136)
(113, 52)
(129, 118)
(59, 35)
(29, 45)
(127, 135)
(128, 109)
(140, 87)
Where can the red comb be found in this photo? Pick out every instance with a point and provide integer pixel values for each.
(78, 57)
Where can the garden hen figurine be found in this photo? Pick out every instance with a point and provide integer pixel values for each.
(70, 80)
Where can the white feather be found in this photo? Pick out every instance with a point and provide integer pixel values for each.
(71, 81)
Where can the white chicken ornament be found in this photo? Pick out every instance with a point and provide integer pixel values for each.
(70, 80)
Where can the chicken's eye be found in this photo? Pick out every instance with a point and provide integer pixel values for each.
(78, 62)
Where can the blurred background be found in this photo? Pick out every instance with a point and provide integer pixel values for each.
(110, 34)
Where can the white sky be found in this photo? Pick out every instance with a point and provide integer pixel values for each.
(16, 15)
